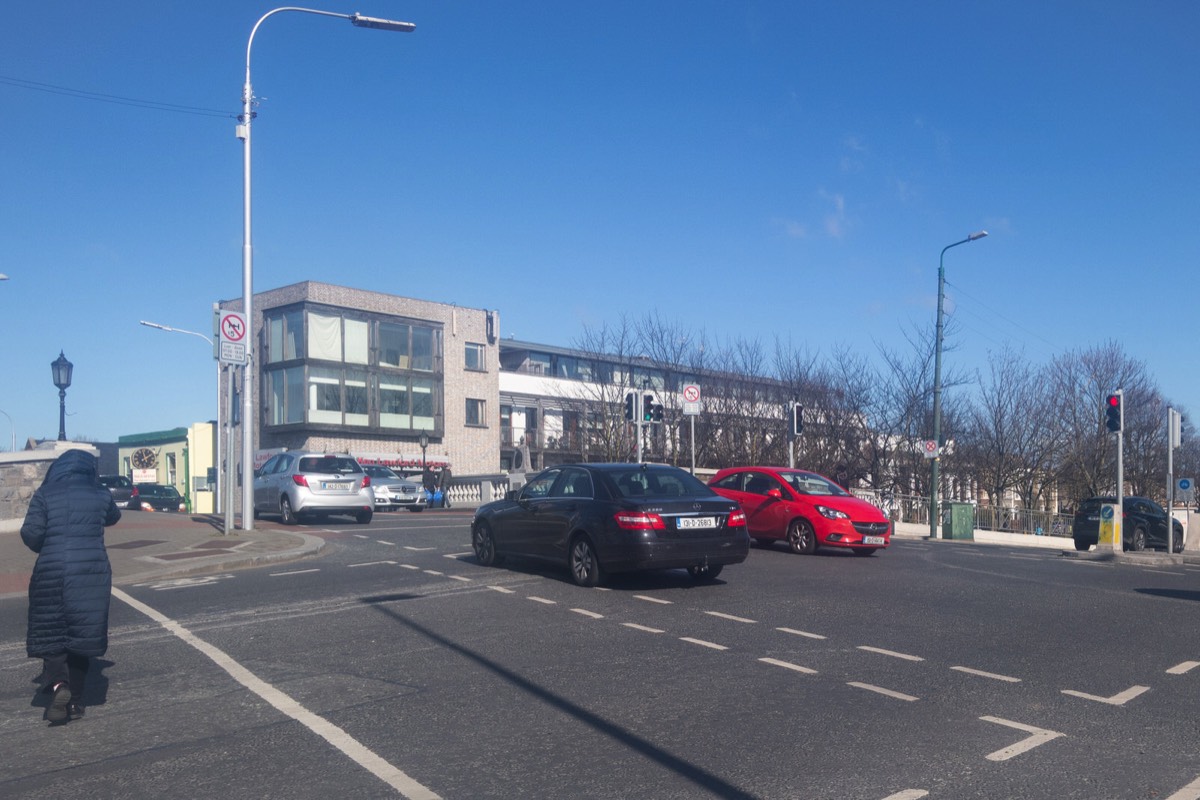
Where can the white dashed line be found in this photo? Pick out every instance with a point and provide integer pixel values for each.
(294, 572)
(1118, 699)
(361, 536)
(417, 549)
(409, 566)
(432, 572)
(888, 692)
(703, 643)
(542, 600)
(1038, 736)
(637, 627)
(1165, 572)
(458, 555)
(650, 599)
(287, 705)
(1181, 668)
(371, 563)
(788, 665)
(587, 613)
(730, 616)
(384, 541)
(891, 653)
(460, 578)
(983, 674)
(795, 632)
(501, 589)
(908, 794)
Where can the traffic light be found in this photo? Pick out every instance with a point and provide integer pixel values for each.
(648, 408)
(658, 413)
(630, 402)
(1112, 412)
(797, 419)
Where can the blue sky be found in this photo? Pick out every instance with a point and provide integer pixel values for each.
(752, 169)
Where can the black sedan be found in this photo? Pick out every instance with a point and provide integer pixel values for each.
(1144, 524)
(159, 497)
(600, 518)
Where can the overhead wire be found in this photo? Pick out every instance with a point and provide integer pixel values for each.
(83, 94)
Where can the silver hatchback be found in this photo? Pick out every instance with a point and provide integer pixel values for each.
(295, 485)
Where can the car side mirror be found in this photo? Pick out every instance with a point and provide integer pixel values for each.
(511, 494)
(775, 493)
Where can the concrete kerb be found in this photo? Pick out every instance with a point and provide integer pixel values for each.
(309, 546)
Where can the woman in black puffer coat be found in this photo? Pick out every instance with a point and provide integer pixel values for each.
(72, 580)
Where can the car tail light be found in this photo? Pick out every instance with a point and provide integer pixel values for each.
(366, 481)
(133, 493)
(639, 521)
(300, 480)
(737, 519)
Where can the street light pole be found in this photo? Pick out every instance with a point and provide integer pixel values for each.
(249, 419)
(61, 368)
(934, 484)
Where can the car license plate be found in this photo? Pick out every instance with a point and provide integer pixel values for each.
(872, 540)
(697, 522)
(335, 486)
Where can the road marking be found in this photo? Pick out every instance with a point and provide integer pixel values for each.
(637, 627)
(730, 616)
(908, 794)
(408, 566)
(384, 541)
(1116, 700)
(361, 536)
(788, 665)
(460, 578)
(432, 572)
(587, 613)
(1189, 792)
(891, 653)
(983, 674)
(650, 599)
(184, 583)
(898, 695)
(293, 572)
(459, 555)
(795, 632)
(542, 600)
(1038, 736)
(501, 589)
(371, 563)
(703, 643)
(1165, 572)
(288, 706)
(1183, 667)
(418, 549)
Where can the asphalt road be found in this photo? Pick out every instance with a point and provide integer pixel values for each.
(394, 666)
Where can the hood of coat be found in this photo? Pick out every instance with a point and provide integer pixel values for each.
(73, 466)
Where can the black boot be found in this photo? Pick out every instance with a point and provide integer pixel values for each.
(61, 696)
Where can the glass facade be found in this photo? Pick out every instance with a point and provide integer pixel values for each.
(333, 368)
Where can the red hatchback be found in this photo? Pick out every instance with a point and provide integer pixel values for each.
(804, 508)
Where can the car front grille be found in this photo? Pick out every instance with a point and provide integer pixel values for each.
(871, 528)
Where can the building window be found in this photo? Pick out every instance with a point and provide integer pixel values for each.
(284, 335)
(474, 359)
(393, 345)
(171, 470)
(287, 395)
(475, 412)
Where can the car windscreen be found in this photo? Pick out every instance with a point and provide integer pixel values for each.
(381, 472)
(811, 483)
(329, 465)
(154, 490)
(657, 482)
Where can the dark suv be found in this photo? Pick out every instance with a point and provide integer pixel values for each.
(123, 491)
(1144, 525)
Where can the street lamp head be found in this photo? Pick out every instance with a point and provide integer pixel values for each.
(976, 235)
(361, 21)
(423, 440)
(61, 369)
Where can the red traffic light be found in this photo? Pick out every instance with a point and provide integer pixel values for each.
(1114, 401)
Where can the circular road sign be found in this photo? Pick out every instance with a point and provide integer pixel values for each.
(691, 393)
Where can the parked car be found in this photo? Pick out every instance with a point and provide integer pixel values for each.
(596, 519)
(803, 508)
(160, 497)
(123, 491)
(393, 491)
(1144, 524)
(297, 484)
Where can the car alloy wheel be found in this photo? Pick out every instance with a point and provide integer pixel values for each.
(801, 537)
(1138, 542)
(286, 515)
(585, 567)
(484, 544)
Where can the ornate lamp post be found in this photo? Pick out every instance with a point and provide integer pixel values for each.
(934, 483)
(61, 369)
(423, 441)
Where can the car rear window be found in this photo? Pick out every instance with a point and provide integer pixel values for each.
(1091, 505)
(329, 464)
(658, 482)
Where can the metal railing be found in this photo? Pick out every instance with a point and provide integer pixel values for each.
(915, 509)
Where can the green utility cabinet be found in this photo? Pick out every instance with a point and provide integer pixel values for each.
(959, 521)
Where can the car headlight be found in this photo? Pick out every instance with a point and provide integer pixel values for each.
(832, 513)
